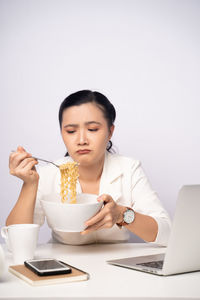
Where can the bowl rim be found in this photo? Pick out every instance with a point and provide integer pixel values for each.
(71, 204)
(67, 203)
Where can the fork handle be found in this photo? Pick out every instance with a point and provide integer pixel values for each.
(47, 161)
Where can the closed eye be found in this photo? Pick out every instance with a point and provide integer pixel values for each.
(95, 129)
(70, 131)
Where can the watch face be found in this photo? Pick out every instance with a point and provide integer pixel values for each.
(129, 216)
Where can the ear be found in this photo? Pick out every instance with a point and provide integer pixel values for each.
(111, 131)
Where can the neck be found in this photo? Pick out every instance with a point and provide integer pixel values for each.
(91, 173)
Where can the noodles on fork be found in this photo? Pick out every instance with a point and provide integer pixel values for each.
(69, 175)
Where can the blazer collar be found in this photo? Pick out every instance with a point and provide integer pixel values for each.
(112, 169)
(111, 177)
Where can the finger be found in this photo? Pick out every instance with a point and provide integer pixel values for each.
(25, 162)
(105, 198)
(19, 153)
(20, 149)
(16, 158)
(30, 164)
(31, 167)
(21, 156)
(107, 222)
(98, 217)
(26, 170)
(97, 226)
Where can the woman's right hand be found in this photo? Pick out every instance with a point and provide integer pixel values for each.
(22, 165)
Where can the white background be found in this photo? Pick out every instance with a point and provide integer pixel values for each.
(143, 55)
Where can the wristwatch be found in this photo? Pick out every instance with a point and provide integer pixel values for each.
(128, 217)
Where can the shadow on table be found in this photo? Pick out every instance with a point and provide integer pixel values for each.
(135, 239)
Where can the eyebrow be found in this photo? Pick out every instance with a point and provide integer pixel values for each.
(86, 123)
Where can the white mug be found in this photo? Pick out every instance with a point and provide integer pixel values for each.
(2, 263)
(21, 240)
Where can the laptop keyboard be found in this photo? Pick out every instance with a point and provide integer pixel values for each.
(153, 264)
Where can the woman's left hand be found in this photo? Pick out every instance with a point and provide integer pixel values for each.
(109, 215)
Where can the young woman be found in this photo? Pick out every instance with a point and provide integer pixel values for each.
(131, 206)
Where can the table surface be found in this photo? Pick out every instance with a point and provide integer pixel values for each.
(106, 281)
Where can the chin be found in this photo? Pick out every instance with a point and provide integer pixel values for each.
(84, 161)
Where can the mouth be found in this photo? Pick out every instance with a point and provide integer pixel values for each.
(83, 151)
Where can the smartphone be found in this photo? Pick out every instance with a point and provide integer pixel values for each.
(46, 267)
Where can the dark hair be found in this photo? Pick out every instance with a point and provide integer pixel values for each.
(87, 96)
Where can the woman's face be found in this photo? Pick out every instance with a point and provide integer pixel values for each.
(85, 133)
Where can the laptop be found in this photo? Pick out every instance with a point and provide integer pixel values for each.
(183, 250)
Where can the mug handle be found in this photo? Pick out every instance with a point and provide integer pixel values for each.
(4, 232)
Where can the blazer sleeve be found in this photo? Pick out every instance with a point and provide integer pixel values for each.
(145, 200)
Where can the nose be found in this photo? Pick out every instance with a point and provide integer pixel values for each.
(82, 138)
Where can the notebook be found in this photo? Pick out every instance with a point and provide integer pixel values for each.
(183, 250)
(30, 277)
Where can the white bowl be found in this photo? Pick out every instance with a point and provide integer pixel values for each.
(67, 217)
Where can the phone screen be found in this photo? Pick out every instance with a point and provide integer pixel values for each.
(47, 264)
(47, 267)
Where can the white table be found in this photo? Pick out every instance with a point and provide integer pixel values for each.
(106, 281)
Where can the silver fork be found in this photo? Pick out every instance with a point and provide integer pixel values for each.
(47, 161)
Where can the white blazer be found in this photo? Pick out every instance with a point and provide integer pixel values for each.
(125, 181)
